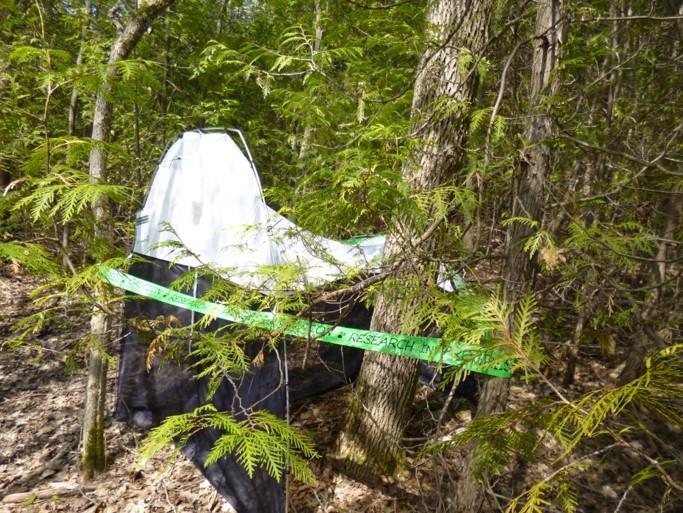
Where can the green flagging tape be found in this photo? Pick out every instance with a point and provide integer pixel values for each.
(473, 358)
(357, 239)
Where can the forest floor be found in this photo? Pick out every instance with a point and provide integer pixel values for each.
(41, 395)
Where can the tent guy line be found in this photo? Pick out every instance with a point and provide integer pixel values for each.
(473, 358)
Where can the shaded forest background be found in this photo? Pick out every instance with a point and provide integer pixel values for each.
(558, 200)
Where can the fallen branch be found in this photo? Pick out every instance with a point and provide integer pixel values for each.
(45, 493)
(55, 463)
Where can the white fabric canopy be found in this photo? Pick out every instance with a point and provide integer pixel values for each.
(206, 207)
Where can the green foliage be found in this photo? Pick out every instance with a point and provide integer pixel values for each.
(512, 326)
(654, 391)
(32, 257)
(217, 356)
(260, 440)
(65, 196)
(536, 500)
(622, 240)
(500, 438)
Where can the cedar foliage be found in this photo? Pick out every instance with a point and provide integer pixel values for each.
(328, 124)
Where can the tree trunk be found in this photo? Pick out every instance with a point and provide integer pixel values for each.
(73, 101)
(528, 197)
(317, 42)
(646, 338)
(71, 123)
(92, 442)
(380, 403)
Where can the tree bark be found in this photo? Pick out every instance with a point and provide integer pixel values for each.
(646, 337)
(92, 442)
(528, 198)
(73, 101)
(71, 123)
(317, 42)
(380, 403)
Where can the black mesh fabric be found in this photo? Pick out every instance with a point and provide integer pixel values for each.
(146, 397)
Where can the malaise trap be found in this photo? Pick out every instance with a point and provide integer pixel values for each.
(205, 225)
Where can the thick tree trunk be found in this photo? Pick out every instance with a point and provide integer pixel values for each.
(92, 442)
(528, 197)
(380, 403)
